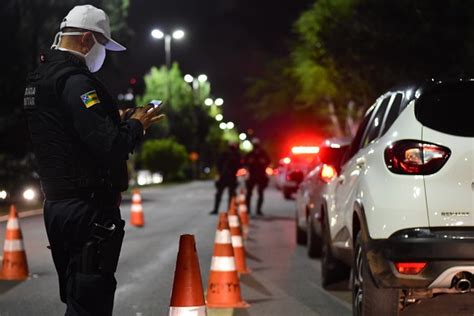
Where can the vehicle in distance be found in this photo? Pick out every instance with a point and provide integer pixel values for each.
(314, 191)
(292, 169)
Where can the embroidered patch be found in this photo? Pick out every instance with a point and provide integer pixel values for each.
(90, 98)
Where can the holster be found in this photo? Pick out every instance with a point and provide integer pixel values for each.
(101, 253)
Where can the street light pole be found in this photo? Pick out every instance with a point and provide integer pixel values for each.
(168, 50)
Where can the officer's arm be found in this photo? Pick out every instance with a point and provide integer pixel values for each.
(94, 125)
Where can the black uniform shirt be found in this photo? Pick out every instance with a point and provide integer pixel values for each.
(75, 128)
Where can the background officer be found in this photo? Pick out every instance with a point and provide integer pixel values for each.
(81, 144)
(256, 162)
(227, 165)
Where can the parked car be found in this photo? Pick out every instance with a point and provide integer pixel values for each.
(402, 215)
(292, 169)
(313, 192)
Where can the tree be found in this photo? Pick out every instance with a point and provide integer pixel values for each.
(188, 121)
(165, 156)
(347, 52)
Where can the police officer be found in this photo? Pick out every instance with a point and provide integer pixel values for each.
(227, 165)
(81, 144)
(256, 162)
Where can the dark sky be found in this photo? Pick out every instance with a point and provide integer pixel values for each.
(229, 40)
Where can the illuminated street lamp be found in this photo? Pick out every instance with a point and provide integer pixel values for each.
(222, 125)
(177, 35)
(202, 78)
(219, 101)
(188, 78)
(219, 117)
(230, 125)
(216, 102)
(242, 136)
(208, 102)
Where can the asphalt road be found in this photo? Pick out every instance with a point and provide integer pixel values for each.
(283, 282)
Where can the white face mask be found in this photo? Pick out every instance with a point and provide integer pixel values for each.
(94, 58)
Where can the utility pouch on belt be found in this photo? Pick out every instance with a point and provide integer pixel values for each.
(101, 253)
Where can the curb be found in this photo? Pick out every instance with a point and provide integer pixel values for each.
(4, 218)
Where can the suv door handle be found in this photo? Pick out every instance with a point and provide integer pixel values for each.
(360, 162)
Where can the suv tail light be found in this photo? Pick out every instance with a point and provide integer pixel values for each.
(328, 173)
(415, 157)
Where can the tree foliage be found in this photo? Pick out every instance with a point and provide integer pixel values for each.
(189, 121)
(347, 52)
(165, 156)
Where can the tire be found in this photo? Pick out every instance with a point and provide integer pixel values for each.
(300, 234)
(367, 298)
(332, 269)
(314, 242)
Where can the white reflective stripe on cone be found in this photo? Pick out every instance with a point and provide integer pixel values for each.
(236, 241)
(223, 237)
(13, 223)
(136, 198)
(223, 264)
(137, 208)
(233, 221)
(13, 245)
(242, 208)
(187, 311)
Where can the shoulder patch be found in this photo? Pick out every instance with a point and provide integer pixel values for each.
(90, 98)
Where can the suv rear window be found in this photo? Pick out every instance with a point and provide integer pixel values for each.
(448, 109)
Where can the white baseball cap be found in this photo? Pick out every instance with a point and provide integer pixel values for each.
(90, 18)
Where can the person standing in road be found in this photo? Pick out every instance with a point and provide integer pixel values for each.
(227, 165)
(256, 162)
(81, 143)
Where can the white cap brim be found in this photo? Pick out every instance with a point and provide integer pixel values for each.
(114, 46)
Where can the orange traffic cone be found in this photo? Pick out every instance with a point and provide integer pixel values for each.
(223, 289)
(237, 242)
(244, 218)
(136, 213)
(241, 196)
(14, 265)
(187, 297)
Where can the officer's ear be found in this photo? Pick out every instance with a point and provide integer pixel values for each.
(87, 41)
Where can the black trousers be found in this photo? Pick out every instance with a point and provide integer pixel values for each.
(68, 226)
(221, 186)
(261, 185)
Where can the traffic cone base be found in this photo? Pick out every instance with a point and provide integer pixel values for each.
(188, 311)
(14, 263)
(226, 292)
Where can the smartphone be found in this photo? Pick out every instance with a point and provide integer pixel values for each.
(155, 103)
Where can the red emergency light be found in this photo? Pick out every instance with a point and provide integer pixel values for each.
(305, 150)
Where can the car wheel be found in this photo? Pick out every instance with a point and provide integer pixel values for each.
(300, 234)
(332, 269)
(314, 242)
(367, 298)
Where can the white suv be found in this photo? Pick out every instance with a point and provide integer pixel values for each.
(402, 215)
